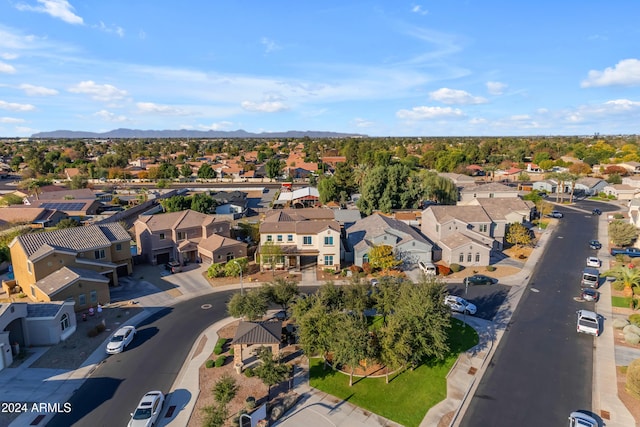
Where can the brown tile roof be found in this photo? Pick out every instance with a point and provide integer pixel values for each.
(83, 193)
(176, 220)
(66, 276)
(216, 241)
(466, 214)
(23, 214)
(258, 333)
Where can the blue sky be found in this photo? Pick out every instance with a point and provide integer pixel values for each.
(381, 68)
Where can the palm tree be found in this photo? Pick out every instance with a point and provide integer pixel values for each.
(628, 276)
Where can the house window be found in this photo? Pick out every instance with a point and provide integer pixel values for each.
(269, 238)
(289, 237)
(118, 246)
(365, 258)
(328, 240)
(328, 260)
(93, 297)
(64, 322)
(491, 195)
(180, 235)
(279, 238)
(477, 256)
(161, 236)
(33, 291)
(483, 228)
(306, 240)
(461, 259)
(82, 300)
(99, 254)
(29, 267)
(230, 256)
(469, 257)
(437, 228)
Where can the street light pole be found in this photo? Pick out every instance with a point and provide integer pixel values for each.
(240, 267)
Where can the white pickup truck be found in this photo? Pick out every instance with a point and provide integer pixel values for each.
(588, 322)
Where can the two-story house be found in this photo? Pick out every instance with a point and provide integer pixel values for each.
(503, 212)
(77, 263)
(463, 234)
(303, 237)
(486, 191)
(375, 230)
(185, 236)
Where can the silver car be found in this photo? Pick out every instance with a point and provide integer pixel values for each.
(459, 304)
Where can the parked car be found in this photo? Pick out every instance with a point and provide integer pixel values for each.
(589, 294)
(596, 211)
(174, 267)
(590, 278)
(594, 244)
(588, 322)
(579, 419)
(479, 279)
(148, 410)
(459, 305)
(593, 262)
(121, 339)
(427, 268)
(630, 252)
(556, 214)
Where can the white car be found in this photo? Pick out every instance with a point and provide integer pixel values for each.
(459, 304)
(579, 419)
(593, 262)
(121, 339)
(556, 214)
(427, 268)
(148, 410)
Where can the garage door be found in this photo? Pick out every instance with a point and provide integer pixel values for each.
(163, 258)
(122, 271)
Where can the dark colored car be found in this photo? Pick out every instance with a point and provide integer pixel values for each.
(590, 294)
(596, 211)
(174, 267)
(630, 252)
(479, 279)
(594, 244)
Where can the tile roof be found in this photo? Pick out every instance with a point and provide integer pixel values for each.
(50, 309)
(467, 214)
(176, 220)
(215, 241)
(258, 333)
(500, 208)
(376, 225)
(76, 239)
(456, 240)
(58, 280)
(491, 186)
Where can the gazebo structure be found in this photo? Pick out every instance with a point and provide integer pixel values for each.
(250, 336)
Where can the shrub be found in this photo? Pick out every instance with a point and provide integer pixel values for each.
(231, 352)
(491, 268)
(219, 345)
(215, 270)
(225, 389)
(355, 269)
(455, 267)
(633, 378)
(618, 215)
(366, 267)
(220, 361)
(618, 286)
(209, 363)
(634, 319)
(249, 373)
(443, 270)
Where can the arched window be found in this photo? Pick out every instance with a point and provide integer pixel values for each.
(64, 322)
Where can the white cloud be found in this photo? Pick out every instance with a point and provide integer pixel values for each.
(625, 73)
(264, 107)
(113, 29)
(153, 108)
(32, 90)
(98, 92)
(520, 117)
(419, 10)
(224, 125)
(453, 96)
(8, 56)
(7, 68)
(430, 113)
(362, 123)
(60, 9)
(111, 117)
(12, 106)
(269, 45)
(496, 88)
(10, 120)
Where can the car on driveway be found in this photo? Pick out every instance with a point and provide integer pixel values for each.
(427, 268)
(589, 294)
(594, 244)
(459, 305)
(579, 419)
(593, 262)
(479, 279)
(148, 410)
(121, 339)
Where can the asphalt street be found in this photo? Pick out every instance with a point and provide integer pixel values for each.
(542, 369)
(486, 298)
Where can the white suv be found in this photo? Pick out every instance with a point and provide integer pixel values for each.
(427, 268)
(459, 305)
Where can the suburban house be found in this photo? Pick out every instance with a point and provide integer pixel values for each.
(634, 213)
(632, 167)
(621, 191)
(303, 237)
(185, 236)
(75, 203)
(460, 180)
(591, 186)
(464, 234)
(486, 191)
(233, 202)
(632, 181)
(33, 324)
(534, 168)
(78, 264)
(375, 230)
(503, 212)
(36, 217)
(547, 185)
(301, 198)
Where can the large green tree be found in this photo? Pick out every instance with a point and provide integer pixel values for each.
(251, 305)
(622, 233)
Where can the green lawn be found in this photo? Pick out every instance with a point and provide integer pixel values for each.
(617, 301)
(409, 395)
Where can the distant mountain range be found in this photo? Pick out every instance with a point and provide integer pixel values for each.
(185, 133)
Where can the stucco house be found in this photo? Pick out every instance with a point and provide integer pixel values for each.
(591, 186)
(36, 217)
(621, 191)
(178, 236)
(232, 202)
(34, 324)
(304, 237)
(78, 263)
(486, 191)
(546, 185)
(408, 244)
(632, 181)
(632, 167)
